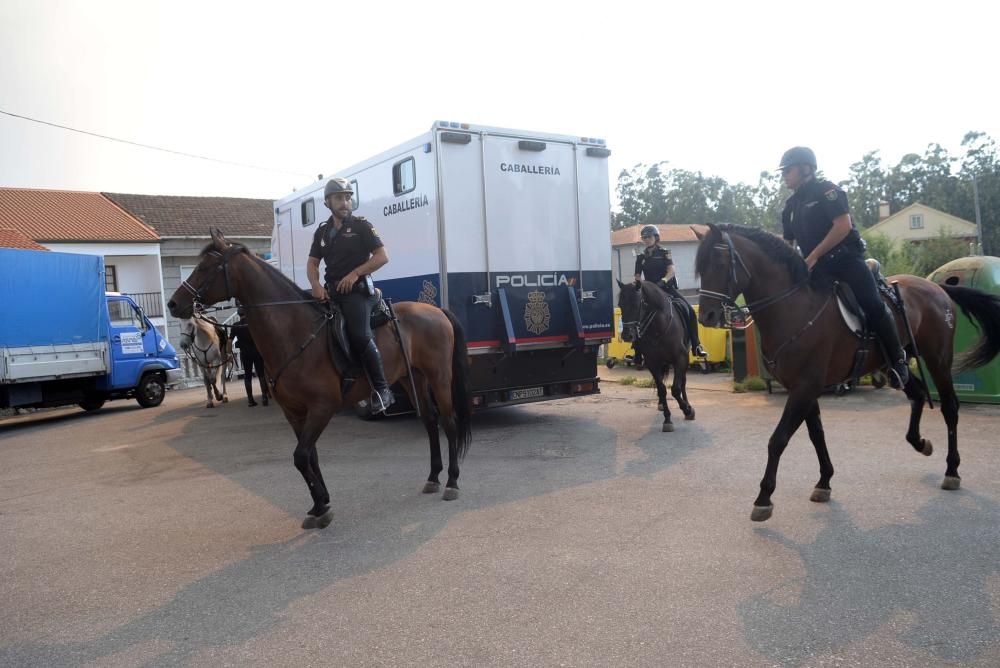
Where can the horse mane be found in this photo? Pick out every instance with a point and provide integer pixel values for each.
(654, 296)
(771, 244)
(289, 286)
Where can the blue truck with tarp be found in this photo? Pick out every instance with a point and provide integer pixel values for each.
(64, 341)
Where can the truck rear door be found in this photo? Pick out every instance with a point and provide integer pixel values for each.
(513, 239)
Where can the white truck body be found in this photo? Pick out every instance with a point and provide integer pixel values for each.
(507, 229)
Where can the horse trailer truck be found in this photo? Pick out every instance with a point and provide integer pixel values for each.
(507, 229)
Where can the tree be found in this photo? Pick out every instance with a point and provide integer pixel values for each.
(866, 189)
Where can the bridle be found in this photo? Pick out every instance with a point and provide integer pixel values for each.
(736, 316)
(645, 316)
(199, 307)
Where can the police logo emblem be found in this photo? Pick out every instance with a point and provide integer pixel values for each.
(428, 295)
(536, 313)
(831, 195)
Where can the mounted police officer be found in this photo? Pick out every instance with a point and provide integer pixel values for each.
(352, 250)
(817, 218)
(656, 265)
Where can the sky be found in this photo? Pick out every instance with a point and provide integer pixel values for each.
(313, 87)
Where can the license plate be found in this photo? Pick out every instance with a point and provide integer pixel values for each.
(526, 393)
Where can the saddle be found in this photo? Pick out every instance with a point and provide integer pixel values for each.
(856, 320)
(339, 344)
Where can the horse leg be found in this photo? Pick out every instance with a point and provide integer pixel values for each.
(306, 461)
(446, 416)
(679, 390)
(208, 389)
(430, 418)
(949, 410)
(659, 374)
(916, 392)
(796, 409)
(222, 375)
(814, 424)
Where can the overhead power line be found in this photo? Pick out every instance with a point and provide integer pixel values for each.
(151, 147)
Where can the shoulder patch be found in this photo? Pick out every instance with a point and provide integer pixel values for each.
(831, 194)
(666, 253)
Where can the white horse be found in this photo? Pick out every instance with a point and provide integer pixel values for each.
(209, 347)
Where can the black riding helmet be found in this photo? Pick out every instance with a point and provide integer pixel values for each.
(798, 155)
(649, 231)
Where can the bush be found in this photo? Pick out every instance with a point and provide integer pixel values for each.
(750, 384)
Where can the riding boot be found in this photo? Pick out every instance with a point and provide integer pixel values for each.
(899, 371)
(382, 396)
(692, 323)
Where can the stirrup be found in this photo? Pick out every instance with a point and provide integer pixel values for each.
(378, 402)
(896, 380)
(699, 351)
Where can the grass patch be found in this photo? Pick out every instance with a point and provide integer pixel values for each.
(644, 382)
(750, 384)
(628, 380)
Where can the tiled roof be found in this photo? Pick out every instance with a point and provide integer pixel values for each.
(65, 215)
(668, 234)
(173, 216)
(13, 239)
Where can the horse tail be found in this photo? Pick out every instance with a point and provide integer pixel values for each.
(461, 396)
(983, 310)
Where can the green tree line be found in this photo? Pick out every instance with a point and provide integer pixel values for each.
(661, 194)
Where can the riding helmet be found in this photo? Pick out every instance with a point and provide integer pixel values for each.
(798, 155)
(337, 185)
(650, 231)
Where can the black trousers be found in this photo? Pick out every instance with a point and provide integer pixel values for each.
(252, 362)
(850, 268)
(692, 319)
(357, 309)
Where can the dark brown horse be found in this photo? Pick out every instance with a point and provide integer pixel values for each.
(655, 328)
(807, 346)
(290, 330)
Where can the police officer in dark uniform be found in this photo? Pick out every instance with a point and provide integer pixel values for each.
(656, 265)
(250, 359)
(817, 218)
(351, 249)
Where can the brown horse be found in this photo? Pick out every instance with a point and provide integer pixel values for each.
(290, 329)
(654, 327)
(807, 346)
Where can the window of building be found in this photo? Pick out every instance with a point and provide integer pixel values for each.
(404, 176)
(355, 198)
(916, 222)
(110, 278)
(308, 212)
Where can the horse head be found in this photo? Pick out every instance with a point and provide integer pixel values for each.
(210, 281)
(630, 303)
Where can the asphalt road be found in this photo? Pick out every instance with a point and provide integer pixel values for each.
(583, 537)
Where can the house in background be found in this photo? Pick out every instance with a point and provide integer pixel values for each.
(680, 240)
(918, 223)
(90, 224)
(13, 239)
(183, 223)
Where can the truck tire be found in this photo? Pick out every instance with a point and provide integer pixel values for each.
(91, 404)
(151, 389)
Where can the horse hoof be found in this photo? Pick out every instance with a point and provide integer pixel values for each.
(450, 493)
(820, 495)
(225, 400)
(926, 448)
(690, 415)
(951, 482)
(668, 426)
(309, 522)
(661, 407)
(318, 522)
(431, 487)
(761, 513)
(210, 405)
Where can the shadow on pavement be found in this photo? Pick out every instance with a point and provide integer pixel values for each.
(857, 579)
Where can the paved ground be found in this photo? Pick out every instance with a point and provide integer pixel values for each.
(584, 536)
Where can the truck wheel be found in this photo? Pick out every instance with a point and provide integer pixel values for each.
(150, 391)
(91, 404)
(610, 363)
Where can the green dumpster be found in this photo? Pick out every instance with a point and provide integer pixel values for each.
(980, 385)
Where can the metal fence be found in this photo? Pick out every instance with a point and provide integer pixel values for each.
(151, 303)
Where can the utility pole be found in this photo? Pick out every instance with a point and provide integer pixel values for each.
(979, 222)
